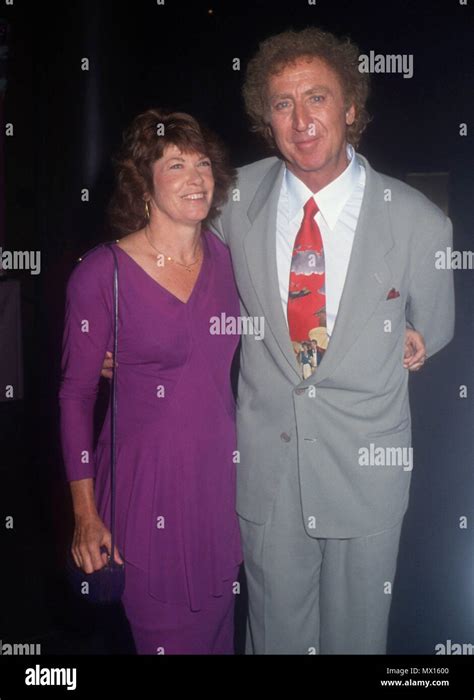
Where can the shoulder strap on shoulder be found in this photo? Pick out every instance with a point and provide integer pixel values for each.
(100, 245)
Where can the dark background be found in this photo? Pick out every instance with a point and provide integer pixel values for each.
(67, 125)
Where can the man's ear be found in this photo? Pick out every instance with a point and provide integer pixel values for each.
(350, 115)
(268, 133)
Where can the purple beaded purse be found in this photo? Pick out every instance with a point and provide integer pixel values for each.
(107, 584)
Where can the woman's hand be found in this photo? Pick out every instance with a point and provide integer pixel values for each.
(108, 366)
(90, 534)
(415, 350)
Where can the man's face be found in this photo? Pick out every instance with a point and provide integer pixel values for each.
(308, 119)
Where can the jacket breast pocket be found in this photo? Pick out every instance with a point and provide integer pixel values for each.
(391, 305)
(389, 313)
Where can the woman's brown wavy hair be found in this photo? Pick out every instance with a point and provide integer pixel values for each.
(144, 142)
(278, 51)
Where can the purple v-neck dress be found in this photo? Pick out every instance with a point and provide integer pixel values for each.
(176, 444)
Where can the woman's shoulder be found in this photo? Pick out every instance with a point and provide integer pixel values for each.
(217, 246)
(93, 267)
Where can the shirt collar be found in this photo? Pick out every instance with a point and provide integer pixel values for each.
(331, 199)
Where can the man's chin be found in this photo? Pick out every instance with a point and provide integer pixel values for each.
(308, 165)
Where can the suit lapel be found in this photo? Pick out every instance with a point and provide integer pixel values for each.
(260, 253)
(367, 281)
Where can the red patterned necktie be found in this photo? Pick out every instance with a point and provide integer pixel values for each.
(307, 294)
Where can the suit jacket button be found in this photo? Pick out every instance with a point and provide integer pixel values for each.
(285, 437)
(300, 391)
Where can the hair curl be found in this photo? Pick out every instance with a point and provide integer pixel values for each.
(143, 144)
(281, 50)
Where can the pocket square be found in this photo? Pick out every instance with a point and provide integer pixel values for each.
(393, 294)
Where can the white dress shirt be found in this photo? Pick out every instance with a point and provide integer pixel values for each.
(339, 208)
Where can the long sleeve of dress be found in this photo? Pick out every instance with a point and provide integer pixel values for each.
(87, 337)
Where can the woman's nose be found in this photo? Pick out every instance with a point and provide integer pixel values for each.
(196, 175)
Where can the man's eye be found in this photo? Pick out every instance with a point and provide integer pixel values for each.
(281, 105)
(317, 98)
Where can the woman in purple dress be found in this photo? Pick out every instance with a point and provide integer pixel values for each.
(177, 530)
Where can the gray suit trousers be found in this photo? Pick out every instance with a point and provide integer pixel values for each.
(311, 595)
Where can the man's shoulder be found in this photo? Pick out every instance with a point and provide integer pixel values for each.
(258, 169)
(408, 200)
(408, 195)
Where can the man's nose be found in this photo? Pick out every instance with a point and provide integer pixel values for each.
(300, 118)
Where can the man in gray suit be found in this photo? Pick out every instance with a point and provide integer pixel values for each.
(325, 455)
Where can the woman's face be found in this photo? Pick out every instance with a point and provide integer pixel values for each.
(183, 186)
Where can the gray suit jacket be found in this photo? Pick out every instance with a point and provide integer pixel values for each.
(359, 393)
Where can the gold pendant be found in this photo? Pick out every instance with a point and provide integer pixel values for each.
(160, 260)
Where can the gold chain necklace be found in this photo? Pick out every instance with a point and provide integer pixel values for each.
(169, 258)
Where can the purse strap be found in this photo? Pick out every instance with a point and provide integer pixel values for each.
(113, 418)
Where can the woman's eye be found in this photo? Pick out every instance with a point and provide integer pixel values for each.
(207, 163)
(176, 165)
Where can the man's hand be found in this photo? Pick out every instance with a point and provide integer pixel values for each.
(108, 366)
(415, 350)
(413, 360)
